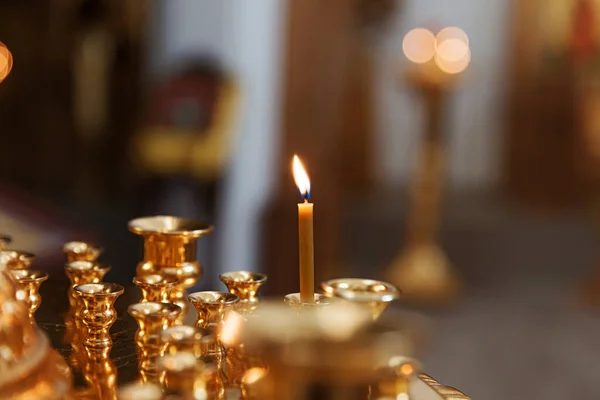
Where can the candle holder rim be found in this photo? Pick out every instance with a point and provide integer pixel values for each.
(181, 361)
(257, 277)
(187, 227)
(112, 289)
(199, 297)
(143, 280)
(151, 308)
(182, 332)
(81, 246)
(83, 265)
(9, 256)
(331, 288)
(27, 275)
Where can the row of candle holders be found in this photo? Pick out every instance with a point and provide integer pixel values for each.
(173, 358)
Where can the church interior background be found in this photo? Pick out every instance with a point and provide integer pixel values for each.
(194, 108)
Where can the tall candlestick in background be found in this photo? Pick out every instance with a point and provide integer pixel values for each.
(306, 247)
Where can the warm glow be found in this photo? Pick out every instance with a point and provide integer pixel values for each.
(231, 328)
(253, 375)
(419, 45)
(301, 178)
(451, 66)
(6, 61)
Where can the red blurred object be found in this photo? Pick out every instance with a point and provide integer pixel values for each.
(583, 41)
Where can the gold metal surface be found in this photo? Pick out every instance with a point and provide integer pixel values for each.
(170, 251)
(31, 281)
(369, 293)
(81, 251)
(100, 374)
(154, 287)
(16, 259)
(141, 391)
(98, 313)
(182, 375)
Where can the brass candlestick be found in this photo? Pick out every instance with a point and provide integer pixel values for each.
(375, 296)
(31, 281)
(422, 268)
(152, 319)
(170, 251)
(186, 339)
(81, 272)
(155, 288)
(16, 259)
(212, 308)
(245, 285)
(98, 313)
(81, 251)
(182, 376)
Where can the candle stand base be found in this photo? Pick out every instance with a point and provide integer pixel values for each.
(425, 276)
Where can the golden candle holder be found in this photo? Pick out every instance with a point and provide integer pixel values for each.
(154, 287)
(183, 375)
(152, 319)
(16, 259)
(81, 272)
(30, 368)
(245, 285)
(170, 251)
(212, 308)
(31, 281)
(81, 251)
(98, 314)
(374, 295)
(186, 339)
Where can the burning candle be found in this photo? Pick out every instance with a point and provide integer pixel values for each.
(305, 234)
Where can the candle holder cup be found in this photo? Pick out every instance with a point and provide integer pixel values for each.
(82, 272)
(155, 287)
(16, 259)
(98, 314)
(170, 251)
(31, 281)
(81, 251)
(374, 295)
(245, 285)
(184, 338)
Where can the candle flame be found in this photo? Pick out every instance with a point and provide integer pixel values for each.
(301, 178)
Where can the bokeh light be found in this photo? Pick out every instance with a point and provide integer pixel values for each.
(419, 45)
(452, 50)
(6, 61)
(452, 32)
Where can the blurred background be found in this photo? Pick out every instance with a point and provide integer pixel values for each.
(117, 109)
